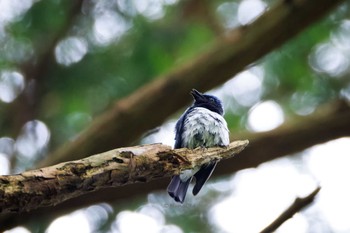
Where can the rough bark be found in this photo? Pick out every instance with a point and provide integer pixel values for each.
(121, 125)
(52, 185)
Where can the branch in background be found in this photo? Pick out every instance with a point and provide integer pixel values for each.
(52, 185)
(201, 11)
(324, 125)
(298, 204)
(121, 125)
(329, 122)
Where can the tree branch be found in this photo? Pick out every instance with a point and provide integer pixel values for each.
(120, 125)
(322, 126)
(202, 11)
(298, 204)
(52, 185)
(329, 122)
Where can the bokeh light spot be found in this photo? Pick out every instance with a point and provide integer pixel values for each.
(126, 223)
(18, 230)
(70, 50)
(154, 212)
(98, 214)
(164, 134)
(109, 27)
(246, 88)
(249, 10)
(303, 103)
(342, 35)
(72, 223)
(7, 146)
(152, 9)
(33, 139)
(4, 164)
(227, 12)
(11, 85)
(265, 116)
(12, 10)
(329, 59)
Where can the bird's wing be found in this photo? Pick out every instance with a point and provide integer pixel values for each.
(202, 176)
(178, 130)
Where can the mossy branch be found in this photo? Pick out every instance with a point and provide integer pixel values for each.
(52, 185)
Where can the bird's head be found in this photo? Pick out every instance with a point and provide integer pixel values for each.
(207, 101)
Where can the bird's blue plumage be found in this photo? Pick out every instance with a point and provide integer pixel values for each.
(201, 125)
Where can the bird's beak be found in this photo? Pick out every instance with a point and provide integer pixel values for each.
(197, 95)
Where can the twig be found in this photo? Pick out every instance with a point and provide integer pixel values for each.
(298, 204)
(52, 185)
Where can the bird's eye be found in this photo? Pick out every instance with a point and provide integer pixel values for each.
(212, 100)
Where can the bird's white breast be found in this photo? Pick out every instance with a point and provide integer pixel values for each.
(204, 128)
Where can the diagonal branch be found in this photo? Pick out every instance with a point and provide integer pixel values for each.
(121, 125)
(330, 122)
(298, 204)
(52, 185)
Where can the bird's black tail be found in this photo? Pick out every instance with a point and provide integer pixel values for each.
(202, 176)
(177, 188)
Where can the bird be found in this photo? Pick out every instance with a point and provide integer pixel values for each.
(201, 125)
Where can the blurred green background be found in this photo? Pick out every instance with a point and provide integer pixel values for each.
(62, 63)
